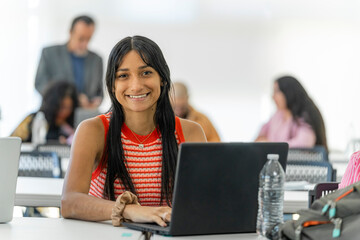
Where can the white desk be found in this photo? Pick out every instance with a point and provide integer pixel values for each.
(61, 229)
(295, 200)
(27, 147)
(244, 236)
(38, 192)
(46, 192)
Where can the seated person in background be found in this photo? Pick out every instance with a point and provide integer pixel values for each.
(58, 106)
(297, 120)
(352, 172)
(129, 154)
(183, 109)
(76, 63)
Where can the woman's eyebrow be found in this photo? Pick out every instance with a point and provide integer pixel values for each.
(145, 66)
(127, 69)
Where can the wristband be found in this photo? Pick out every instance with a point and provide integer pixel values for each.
(120, 204)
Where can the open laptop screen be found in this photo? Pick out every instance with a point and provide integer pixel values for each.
(216, 187)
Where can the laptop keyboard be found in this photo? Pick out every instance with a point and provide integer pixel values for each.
(150, 226)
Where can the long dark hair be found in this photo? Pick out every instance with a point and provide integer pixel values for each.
(164, 118)
(302, 106)
(55, 92)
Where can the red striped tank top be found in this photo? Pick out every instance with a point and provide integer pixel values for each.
(143, 164)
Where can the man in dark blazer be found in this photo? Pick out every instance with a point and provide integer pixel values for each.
(73, 62)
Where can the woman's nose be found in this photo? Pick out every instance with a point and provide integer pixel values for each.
(136, 84)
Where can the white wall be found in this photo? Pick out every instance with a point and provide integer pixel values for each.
(228, 52)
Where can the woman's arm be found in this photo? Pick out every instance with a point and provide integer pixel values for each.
(192, 131)
(262, 136)
(86, 153)
(305, 137)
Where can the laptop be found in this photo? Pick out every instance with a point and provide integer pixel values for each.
(9, 162)
(216, 188)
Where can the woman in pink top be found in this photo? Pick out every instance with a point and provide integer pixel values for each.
(297, 120)
(352, 172)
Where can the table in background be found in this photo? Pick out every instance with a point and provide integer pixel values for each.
(242, 236)
(64, 229)
(38, 192)
(46, 192)
(295, 200)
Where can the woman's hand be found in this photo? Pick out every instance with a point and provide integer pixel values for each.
(142, 214)
(261, 139)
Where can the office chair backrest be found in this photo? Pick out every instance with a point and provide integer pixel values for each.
(316, 154)
(312, 172)
(322, 189)
(39, 164)
(62, 150)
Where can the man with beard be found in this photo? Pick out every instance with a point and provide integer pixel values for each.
(75, 63)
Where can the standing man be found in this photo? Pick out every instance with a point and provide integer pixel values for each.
(183, 109)
(75, 63)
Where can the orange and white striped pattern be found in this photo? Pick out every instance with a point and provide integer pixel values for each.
(143, 164)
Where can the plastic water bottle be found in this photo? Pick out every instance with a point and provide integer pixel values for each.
(39, 129)
(271, 195)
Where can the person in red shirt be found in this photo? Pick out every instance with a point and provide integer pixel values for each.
(131, 151)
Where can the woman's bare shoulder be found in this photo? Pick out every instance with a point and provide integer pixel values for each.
(193, 132)
(92, 124)
(90, 131)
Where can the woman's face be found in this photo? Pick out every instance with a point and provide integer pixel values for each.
(137, 85)
(65, 110)
(279, 98)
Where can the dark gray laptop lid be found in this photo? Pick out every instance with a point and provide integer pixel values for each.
(216, 186)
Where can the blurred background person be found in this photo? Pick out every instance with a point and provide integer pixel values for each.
(58, 106)
(297, 120)
(74, 62)
(352, 172)
(183, 109)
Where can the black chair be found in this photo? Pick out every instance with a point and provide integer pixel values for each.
(322, 189)
(62, 150)
(312, 172)
(315, 154)
(40, 164)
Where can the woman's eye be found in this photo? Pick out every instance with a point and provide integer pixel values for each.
(122, 76)
(147, 73)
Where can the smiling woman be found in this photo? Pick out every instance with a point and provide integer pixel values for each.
(135, 165)
(137, 85)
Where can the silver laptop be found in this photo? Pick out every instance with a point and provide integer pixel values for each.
(9, 162)
(216, 187)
